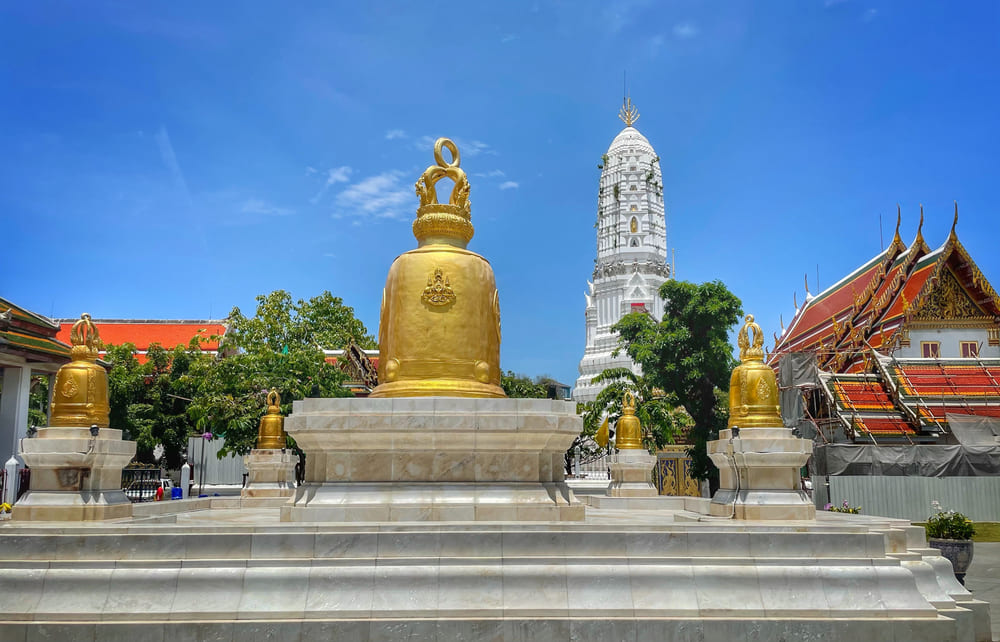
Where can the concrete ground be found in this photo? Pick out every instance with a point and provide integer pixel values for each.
(983, 579)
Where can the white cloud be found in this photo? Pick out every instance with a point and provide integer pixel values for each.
(509, 185)
(393, 134)
(259, 206)
(830, 3)
(384, 195)
(509, 38)
(686, 30)
(335, 175)
(493, 173)
(870, 15)
(655, 44)
(468, 148)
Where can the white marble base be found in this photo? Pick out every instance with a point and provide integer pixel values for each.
(869, 579)
(759, 475)
(270, 473)
(75, 476)
(433, 458)
(630, 474)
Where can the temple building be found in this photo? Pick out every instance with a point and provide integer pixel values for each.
(143, 333)
(28, 348)
(904, 350)
(631, 262)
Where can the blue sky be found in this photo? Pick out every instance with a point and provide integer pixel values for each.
(173, 160)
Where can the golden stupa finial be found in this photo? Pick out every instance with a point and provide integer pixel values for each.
(271, 434)
(751, 349)
(449, 222)
(629, 429)
(85, 338)
(753, 389)
(80, 394)
(628, 113)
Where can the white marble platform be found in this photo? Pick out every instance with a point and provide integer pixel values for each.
(433, 458)
(631, 575)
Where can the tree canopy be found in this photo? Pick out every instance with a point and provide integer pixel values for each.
(658, 412)
(185, 391)
(522, 386)
(688, 355)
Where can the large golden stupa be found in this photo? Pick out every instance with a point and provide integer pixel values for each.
(439, 327)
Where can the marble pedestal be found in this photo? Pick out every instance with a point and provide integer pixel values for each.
(630, 474)
(759, 475)
(433, 459)
(75, 476)
(270, 473)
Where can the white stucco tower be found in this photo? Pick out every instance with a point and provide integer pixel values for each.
(631, 259)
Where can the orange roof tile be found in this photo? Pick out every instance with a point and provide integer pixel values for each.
(144, 333)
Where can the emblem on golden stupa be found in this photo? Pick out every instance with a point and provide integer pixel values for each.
(439, 326)
(753, 389)
(438, 290)
(271, 434)
(629, 429)
(81, 388)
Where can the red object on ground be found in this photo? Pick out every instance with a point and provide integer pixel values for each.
(159, 493)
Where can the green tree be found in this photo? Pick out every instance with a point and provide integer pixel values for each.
(38, 401)
(149, 400)
(281, 347)
(688, 355)
(519, 386)
(659, 413)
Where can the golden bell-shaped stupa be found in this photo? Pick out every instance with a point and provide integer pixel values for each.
(271, 434)
(80, 397)
(439, 327)
(629, 429)
(753, 389)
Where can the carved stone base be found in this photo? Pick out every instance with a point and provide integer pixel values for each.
(433, 459)
(630, 471)
(759, 475)
(75, 476)
(270, 473)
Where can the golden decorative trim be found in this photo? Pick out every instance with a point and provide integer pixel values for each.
(438, 291)
(628, 113)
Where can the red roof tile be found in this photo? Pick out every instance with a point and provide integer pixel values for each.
(169, 334)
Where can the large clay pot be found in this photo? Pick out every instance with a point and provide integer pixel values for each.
(957, 551)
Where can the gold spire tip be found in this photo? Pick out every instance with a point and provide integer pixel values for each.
(628, 113)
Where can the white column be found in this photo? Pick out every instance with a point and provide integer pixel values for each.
(14, 409)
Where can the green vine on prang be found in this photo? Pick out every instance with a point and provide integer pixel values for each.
(617, 191)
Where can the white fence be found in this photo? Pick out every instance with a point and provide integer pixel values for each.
(910, 497)
(592, 468)
(226, 471)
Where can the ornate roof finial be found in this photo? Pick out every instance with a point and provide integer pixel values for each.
(444, 222)
(795, 300)
(628, 113)
(899, 217)
(955, 221)
(781, 319)
(807, 285)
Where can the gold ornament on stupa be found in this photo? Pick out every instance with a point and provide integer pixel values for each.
(271, 434)
(753, 389)
(439, 326)
(629, 428)
(80, 396)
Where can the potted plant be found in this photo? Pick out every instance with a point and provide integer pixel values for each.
(951, 533)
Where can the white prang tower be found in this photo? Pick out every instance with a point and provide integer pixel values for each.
(631, 262)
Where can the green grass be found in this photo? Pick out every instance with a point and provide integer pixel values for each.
(985, 531)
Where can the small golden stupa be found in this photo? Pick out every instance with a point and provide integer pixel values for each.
(629, 428)
(271, 434)
(439, 327)
(753, 389)
(80, 397)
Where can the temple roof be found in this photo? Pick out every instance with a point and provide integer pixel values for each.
(168, 333)
(911, 397)
(31, 336)
(869, 306)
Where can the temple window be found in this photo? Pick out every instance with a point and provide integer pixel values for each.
(930, 349)
(633, 208)
(632, 188)
(970, 349)
(635, 243)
